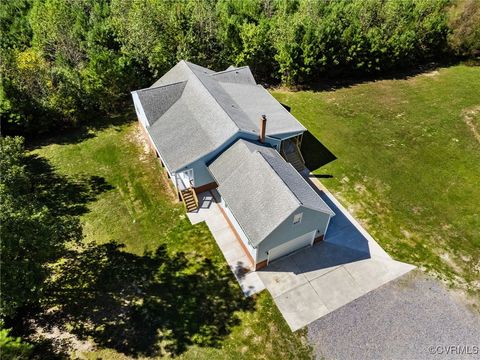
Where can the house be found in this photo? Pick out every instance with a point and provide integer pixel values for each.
(222, 130)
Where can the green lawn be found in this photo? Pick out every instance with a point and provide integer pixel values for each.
(408, 164)
(408, 167)
(139, 210)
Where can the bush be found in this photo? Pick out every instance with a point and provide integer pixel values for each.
(12, 348)
(465, 25)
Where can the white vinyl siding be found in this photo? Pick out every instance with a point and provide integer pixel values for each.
(139, 110)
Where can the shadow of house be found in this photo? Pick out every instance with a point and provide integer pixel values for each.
(314, 152)
(343, 244)
(288, 108)
(150, 305)
(323, 256)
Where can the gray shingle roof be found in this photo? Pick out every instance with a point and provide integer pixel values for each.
(193, 110)
(256, 101)
(157, 100)
(241, 75)
(261, 189)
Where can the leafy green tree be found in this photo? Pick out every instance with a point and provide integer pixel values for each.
(64, 61)
(14, 25)
(34, 231)
(13, 348)
(245, 34)
(72, 69)
(465, 28)
(157, 34)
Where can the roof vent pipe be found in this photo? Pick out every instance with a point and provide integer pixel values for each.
(263, 126)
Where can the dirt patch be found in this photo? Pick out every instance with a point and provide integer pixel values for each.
(138, 138)
(469, 116)
(447, 258)
(431, 73)
(63, 339)
(170, 190)
(407, 234)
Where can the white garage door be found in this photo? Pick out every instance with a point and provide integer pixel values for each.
(291, 246)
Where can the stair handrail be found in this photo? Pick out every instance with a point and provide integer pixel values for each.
(183, 199)
(300, 153)
(194, 196)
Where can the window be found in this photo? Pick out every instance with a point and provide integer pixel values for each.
(297, 218)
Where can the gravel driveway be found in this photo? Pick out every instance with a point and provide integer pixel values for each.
(413, 317)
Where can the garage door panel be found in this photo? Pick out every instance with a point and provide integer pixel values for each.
(290, 246)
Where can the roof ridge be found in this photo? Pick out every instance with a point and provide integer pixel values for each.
(278, 175)
(306, 182)
(229, 70)
(215, 99)
(161, 86)
(290, 189)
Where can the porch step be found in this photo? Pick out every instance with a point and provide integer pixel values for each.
(295, 159)
(189, 199)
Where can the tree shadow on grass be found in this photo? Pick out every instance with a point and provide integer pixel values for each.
(149, 305)
(314, 152)
(60, 200)
(83, 131)
(62, 194)
(340, 79)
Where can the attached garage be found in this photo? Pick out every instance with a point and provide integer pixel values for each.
(291, 246)
(274, 209)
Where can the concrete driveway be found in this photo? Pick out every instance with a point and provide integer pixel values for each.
(318, 280)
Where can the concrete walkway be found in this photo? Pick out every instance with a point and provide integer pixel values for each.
(209, 211)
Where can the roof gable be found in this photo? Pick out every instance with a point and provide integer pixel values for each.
(156, 101)
(304, 193)
(261, 189)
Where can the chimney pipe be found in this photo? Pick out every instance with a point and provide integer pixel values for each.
(263, 126)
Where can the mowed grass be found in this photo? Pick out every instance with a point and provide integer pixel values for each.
(141, 212)
(408, 164)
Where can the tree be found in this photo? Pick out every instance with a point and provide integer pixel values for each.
(465, 25)
(157, 34)
(64, 61)
(34, 232)
(13, 348)
(245, 35)
(72, 68)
